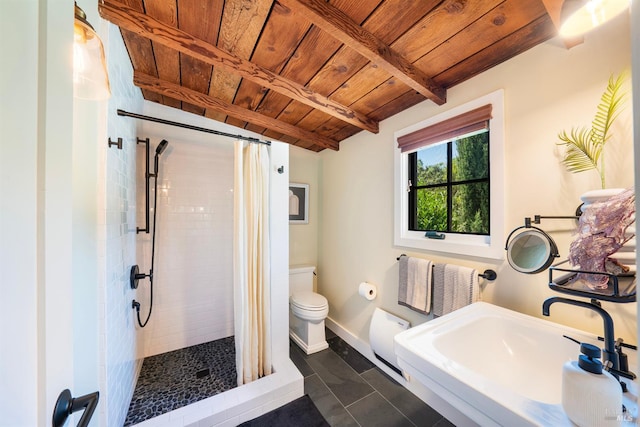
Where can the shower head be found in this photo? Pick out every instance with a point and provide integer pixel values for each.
(161, 147)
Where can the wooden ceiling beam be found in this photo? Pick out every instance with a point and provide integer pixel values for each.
(129, 19)
(199, 99)
(343, 28)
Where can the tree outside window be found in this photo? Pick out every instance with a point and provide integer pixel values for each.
(449, 189)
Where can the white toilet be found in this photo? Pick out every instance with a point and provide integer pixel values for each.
(307, 310)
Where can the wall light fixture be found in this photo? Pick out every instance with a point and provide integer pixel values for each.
(90, 79)
(580, 16)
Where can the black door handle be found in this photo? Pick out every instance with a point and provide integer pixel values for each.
(67, 405)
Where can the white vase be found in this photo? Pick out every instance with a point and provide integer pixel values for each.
(594, 196)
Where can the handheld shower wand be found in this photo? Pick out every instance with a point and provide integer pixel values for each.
(135, 275)
(159, 150)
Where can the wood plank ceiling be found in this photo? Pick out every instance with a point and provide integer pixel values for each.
(314, 72)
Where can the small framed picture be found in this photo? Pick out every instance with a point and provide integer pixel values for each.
(298, 203)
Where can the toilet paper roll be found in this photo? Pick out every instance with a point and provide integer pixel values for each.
(367, 290)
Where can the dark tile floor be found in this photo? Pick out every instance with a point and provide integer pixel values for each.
(349, 390)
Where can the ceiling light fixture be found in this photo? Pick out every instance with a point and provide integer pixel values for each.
(580, 16)
(90, 79)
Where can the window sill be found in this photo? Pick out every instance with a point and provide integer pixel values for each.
(453, 244)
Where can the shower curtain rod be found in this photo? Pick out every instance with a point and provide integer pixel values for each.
(182, 125)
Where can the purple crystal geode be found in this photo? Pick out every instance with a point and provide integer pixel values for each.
(601, 232)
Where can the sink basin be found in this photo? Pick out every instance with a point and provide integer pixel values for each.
(497, 366)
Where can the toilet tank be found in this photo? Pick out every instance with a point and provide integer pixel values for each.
(301, 278)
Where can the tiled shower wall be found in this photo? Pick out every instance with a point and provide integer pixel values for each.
(192, 292)
(117, 244)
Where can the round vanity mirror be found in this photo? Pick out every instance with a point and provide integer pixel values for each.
(531, 251)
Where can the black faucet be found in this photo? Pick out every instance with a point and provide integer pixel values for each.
(609, 341)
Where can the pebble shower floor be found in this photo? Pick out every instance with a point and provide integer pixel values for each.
(179, 378)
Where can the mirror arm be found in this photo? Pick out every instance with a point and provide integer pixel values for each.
(537, 218)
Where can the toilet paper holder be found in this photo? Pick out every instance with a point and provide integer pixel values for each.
(488, 274)
(368, 291)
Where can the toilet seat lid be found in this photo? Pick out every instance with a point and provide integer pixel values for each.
(309, 300)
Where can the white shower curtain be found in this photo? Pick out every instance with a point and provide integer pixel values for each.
(251, 262)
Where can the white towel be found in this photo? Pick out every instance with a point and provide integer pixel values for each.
(414, 284)
(453, 287)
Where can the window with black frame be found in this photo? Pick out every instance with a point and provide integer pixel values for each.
(448, 174)
(449, 181)
(449, 185)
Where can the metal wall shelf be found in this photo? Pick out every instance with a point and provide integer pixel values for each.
(620, 289)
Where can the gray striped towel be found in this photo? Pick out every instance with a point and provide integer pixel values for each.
(453, 287)
(414, 283)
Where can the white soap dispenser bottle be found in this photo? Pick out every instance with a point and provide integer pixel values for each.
(591, 396)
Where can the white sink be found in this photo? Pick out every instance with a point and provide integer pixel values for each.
(497, 366)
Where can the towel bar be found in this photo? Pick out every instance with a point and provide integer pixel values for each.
(488, 274)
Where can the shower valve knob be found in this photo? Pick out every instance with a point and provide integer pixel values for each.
(135, 276)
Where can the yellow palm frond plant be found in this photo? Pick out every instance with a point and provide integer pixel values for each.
(584, 147)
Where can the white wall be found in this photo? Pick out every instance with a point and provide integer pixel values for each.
(193, 274)
(117, 226)
(47, 222)
(547, 89)
(87, 135)
(18, 174)
(635, 67)
(303, 238)
(279, 155)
